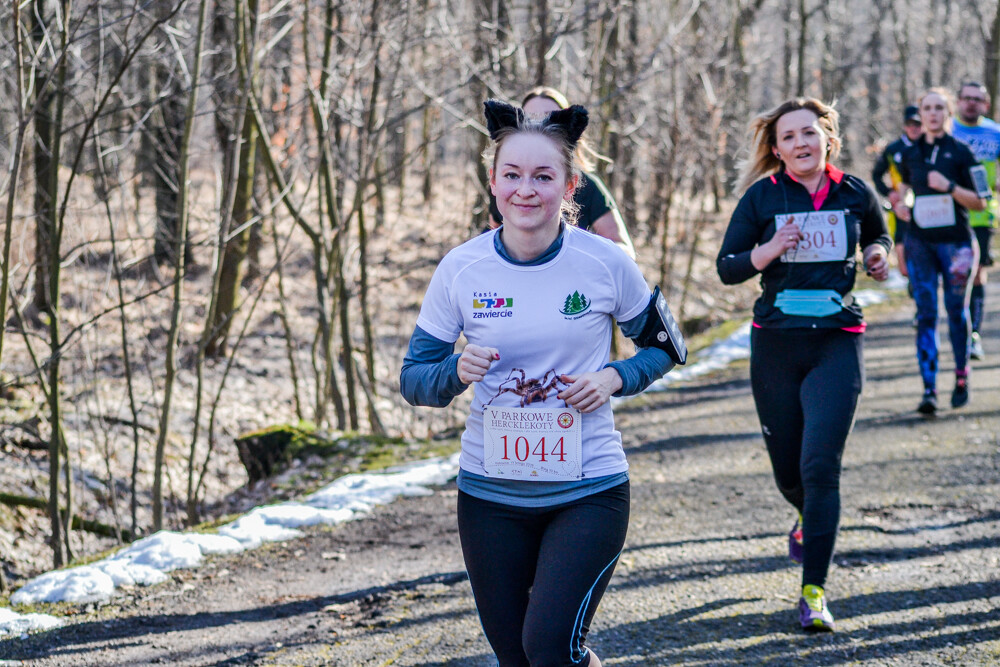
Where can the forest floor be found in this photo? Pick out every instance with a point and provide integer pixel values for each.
(704, 578)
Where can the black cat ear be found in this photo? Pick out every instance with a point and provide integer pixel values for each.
(574, 119)
(500, 115)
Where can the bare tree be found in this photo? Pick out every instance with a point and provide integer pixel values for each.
(180, 240)
(14, 173)
(236, 235)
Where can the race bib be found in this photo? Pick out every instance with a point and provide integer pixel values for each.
(931, 211)
(532, 444)
(825, 236)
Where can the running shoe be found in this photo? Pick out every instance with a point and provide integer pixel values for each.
(976, 348)
(960, 394)
(813, 613)
(795, 541)
(928, 404)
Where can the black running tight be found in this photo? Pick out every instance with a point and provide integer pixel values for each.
(538, 574)
(806, 385)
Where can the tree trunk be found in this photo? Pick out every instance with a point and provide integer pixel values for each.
(167, 123)
(542, 42)
(234, 257)
(607, 74)
(901, 36)
(485, 39)
(930, 59)
(786, 52)
(178, 291)
(991, 75)
(326, 243)
(627, 157)
(800, 71)
(13, 176)
(873, 79)
(46, 108)
(52, 21)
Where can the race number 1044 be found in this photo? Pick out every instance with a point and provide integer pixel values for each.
(537, 444)
(522, 449)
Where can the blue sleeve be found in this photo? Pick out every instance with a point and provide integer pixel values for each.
(646, 366)
(430, 371)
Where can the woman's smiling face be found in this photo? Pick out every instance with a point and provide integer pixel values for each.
(530, 181)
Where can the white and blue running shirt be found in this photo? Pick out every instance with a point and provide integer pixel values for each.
(555, 316)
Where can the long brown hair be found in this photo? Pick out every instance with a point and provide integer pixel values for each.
(763, 138)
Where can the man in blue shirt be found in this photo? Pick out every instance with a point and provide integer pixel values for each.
(983, 137)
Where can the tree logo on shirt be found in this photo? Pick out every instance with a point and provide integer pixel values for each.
(575, 304)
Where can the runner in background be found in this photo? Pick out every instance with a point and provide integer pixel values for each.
(543, 499)
(799, 225)
(598, 211)
(888, 163)
(939, 244)
(983, 137)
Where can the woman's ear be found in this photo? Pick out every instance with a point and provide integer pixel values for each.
(571, 184)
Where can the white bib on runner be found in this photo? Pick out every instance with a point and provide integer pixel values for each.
(825, 236)
(534, 444)
(930, 211)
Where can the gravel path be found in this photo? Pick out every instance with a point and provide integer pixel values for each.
(704, 579)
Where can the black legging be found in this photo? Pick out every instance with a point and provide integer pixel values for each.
(538, 574)
(806, 385)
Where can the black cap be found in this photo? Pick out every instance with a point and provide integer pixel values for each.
(911, 114)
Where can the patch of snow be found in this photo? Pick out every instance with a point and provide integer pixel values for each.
(146, 561)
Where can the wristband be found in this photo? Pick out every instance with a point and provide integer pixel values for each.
(951, 187)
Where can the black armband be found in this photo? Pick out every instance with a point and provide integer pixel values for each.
(661, 330)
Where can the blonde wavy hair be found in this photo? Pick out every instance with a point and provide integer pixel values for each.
(586, 156)
(949, 102)
(763, 138)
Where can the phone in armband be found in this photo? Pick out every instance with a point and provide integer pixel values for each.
(662, 330)
(981, 182)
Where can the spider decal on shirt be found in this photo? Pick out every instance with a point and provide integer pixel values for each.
(530, 389)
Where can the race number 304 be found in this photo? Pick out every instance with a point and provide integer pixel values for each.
(532, 444)
(824, 236)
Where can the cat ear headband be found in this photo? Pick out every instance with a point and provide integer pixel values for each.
(500, 115)
(574, 119)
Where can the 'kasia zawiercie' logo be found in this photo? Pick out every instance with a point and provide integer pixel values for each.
(576, 304)
(485, 307)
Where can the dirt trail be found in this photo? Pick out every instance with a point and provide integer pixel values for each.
(704, 579)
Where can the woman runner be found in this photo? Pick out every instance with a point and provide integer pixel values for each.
(799, 225)
(543, 499)
(940, 246)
